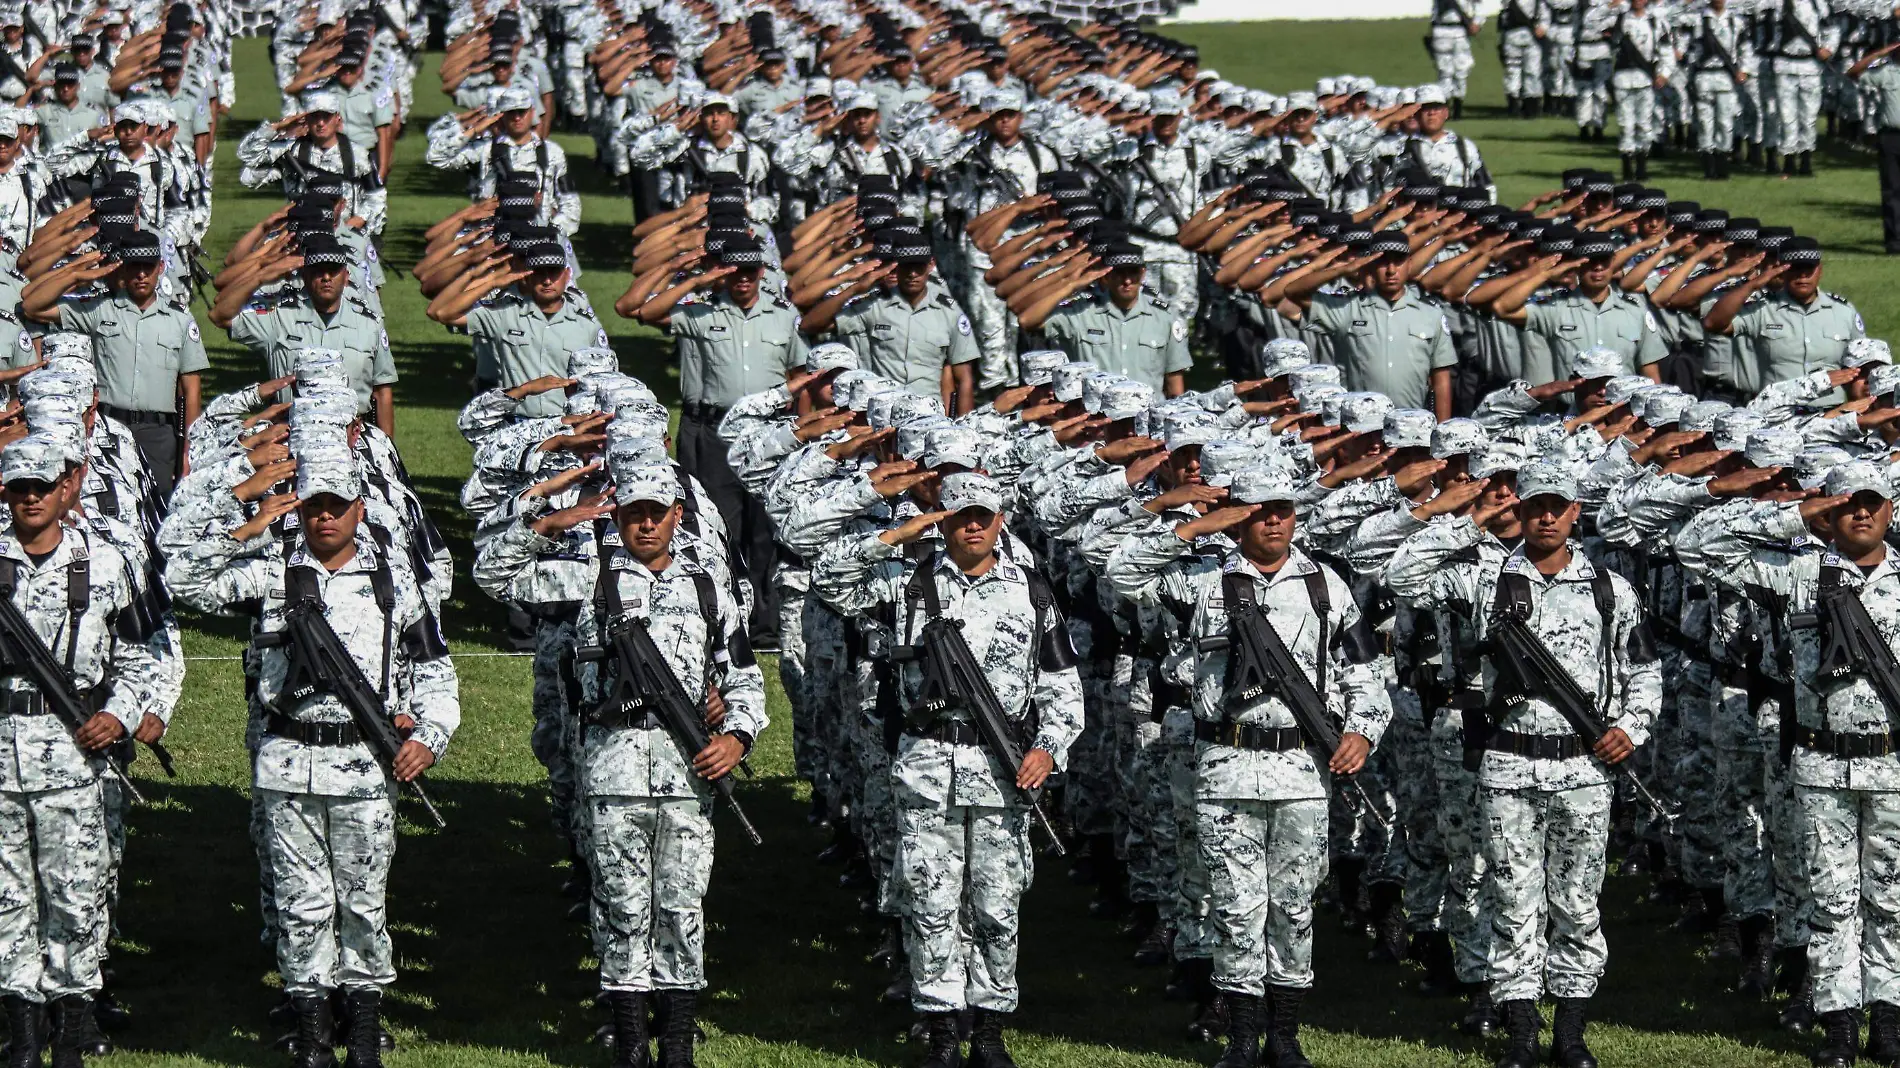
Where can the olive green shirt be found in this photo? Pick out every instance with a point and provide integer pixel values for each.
(726, 352)
(1145, 343)
(1778, 337)
(1884, 84)
(364, 109)
(909, 346)
(1382, 346)
(140, 352)
(61, 125)
(276, 328)
(526, 344)
(1569, 322)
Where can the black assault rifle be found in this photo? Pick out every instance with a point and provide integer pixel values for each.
(952, 680)
(23, 653)
(646, 683)
(319, 663)
(1537, 670)
(1854, 646)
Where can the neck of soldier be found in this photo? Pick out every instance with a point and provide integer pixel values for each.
(1125, 305)
(42, 541)
(335, 559)
(549, 306)
(325, 306)
(973, 566)
(867, 143)
(324, 142)
(719, 141)
(1267, 560)
(1548, 562)
(1861, 556)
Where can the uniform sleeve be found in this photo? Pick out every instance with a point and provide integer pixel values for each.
(1716, 546)
(254, 326)
(962, 340)
(1148, 569)
(1442, 354)
(191, 355)
(1649, 347)
(743, 685)
(382, 365)
(1422, 571)
(1176, 358)
(1636, 667)
(217, 574)
(854, 576)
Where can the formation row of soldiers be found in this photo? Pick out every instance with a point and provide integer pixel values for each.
(1733, 81)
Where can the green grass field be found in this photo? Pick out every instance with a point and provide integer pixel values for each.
(493, 974)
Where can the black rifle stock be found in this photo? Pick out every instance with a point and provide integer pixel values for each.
(1538, 671)
(952, 679)
(1854, 646)
(646, 682)
(328, 667)
(22, 652)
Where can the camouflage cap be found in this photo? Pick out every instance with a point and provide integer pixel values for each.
(1772, 446)
(1544, 478)
(1125, 399)
(1497, 458)
(1865, 350)
(36, 458)
(1816, 462)
(1598, 362)
(1408, 428)
(1458, 437)
(970, 490)
(587, 361)
(1222, 459)
(1039, 365)
(1624, 388)
(831, 356)
(953, 444)
(1733, 427)
(1066, 380)
(1281, 355)
(1700, 417)
(1260, 483)
(643, 481)
(327, 465)
(1364, 412)
(1859, 477)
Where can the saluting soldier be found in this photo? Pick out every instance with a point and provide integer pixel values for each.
(66, 119)
(502, 145)
(1122, 326)
(1783, 323)
(368, 109)
(770, 89)
(906, 327)
(292, 149)
(1592, 313)
(322, 314)
(1454, 24)
(148, 350)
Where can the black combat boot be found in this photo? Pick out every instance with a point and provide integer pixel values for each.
(1386, 916)
(23, 1024)
(72, 1024)
(1457, 108)
(1143, 917)
(1787, 164)
(1481, 1013)
(1243, 1031)
(579, 884)
(1629, 166)
(1753, 158)
(1757, 936)
(1806, 167)
(1566, 1035)
(843, 847)
(1434, 950)
(986, 1041)
(676, 1036)
(1533, 108)
(1283, 1034)
(1347, 875)
(1792, 977)
(629, 1028)
(1642, 166)
(819, 815)
(1521, 1024)
(316, 1030)
(1111, 882)
(1721, 167)
(940, 1035)
(1157, 948)
(1883, 1034)
(1841, 1044)
(363, 1009)
(1510, 106)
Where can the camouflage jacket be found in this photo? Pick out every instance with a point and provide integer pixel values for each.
(111, 651)
(1613, 660)
(633, 762)
(867, 576)
(221, 575)
(1159, 568)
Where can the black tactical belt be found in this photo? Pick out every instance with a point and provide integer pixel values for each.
(1844, 746)
(23, 703)
(705, 413)
(283, 726)
(954, 732)
(1246, 736)
(1466, 700)
(1537, 746)
(136, 418)
(629, 716)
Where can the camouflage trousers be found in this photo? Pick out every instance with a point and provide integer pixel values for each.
(964, 872)
(1523, 57)
(1460, 827)
(874, 815)
(1427, 871)
(993, 324)
(554, 685)
(1147, 811)
(1852, 842)
(822, 635)
(1545, 851)
(1190, 905)
(53, 906)
(330, 860)
(259, 828)
(1741, 790)
(1264, 861)
(791, 675)
(117, 808)
(1089, 787)
(1694, 774)
(1787, 846)
(1798, 107)
(1451, 58)
(653, 859)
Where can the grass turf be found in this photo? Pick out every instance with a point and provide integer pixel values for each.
(491, 972)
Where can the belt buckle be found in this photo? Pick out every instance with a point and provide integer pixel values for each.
(1230, 735)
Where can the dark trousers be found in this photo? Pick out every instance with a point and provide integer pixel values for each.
(1889, 149)
(157, 436)
(748, 528)
(645, 187)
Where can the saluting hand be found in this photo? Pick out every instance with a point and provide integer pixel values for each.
(913, 528)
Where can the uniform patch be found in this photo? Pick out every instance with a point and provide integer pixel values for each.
(1177, 329)
(1649, 321)
(191, 331)
(963, 325)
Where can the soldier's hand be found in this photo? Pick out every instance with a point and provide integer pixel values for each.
(1454, 498)
(1413, 476)
(1553, 389)
(267, 390)
(715, 706)
(1217, 520)
(1128, 448)
(411, 761)
(269, 512)
(588, 509)
(720, 756)
(860, 443)
(1594, 415)
(913, 528)
(551, 486)
(544, 384)
(1814, 507)
(822, 422)
(1743, 482)
(272, 433)
(100, 731)
(1037, 765)
(1373, 461)
(1036, 413)
(151, 729)
(1351, 754)
(16, 373)
(1011, 399)
(1696, 464)
(1614, 747)
(269, 474)
(1666, 447)
(1139, 471)
(1192, 493)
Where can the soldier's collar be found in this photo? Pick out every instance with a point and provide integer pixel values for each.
(1297, 564)
(1579, 569)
